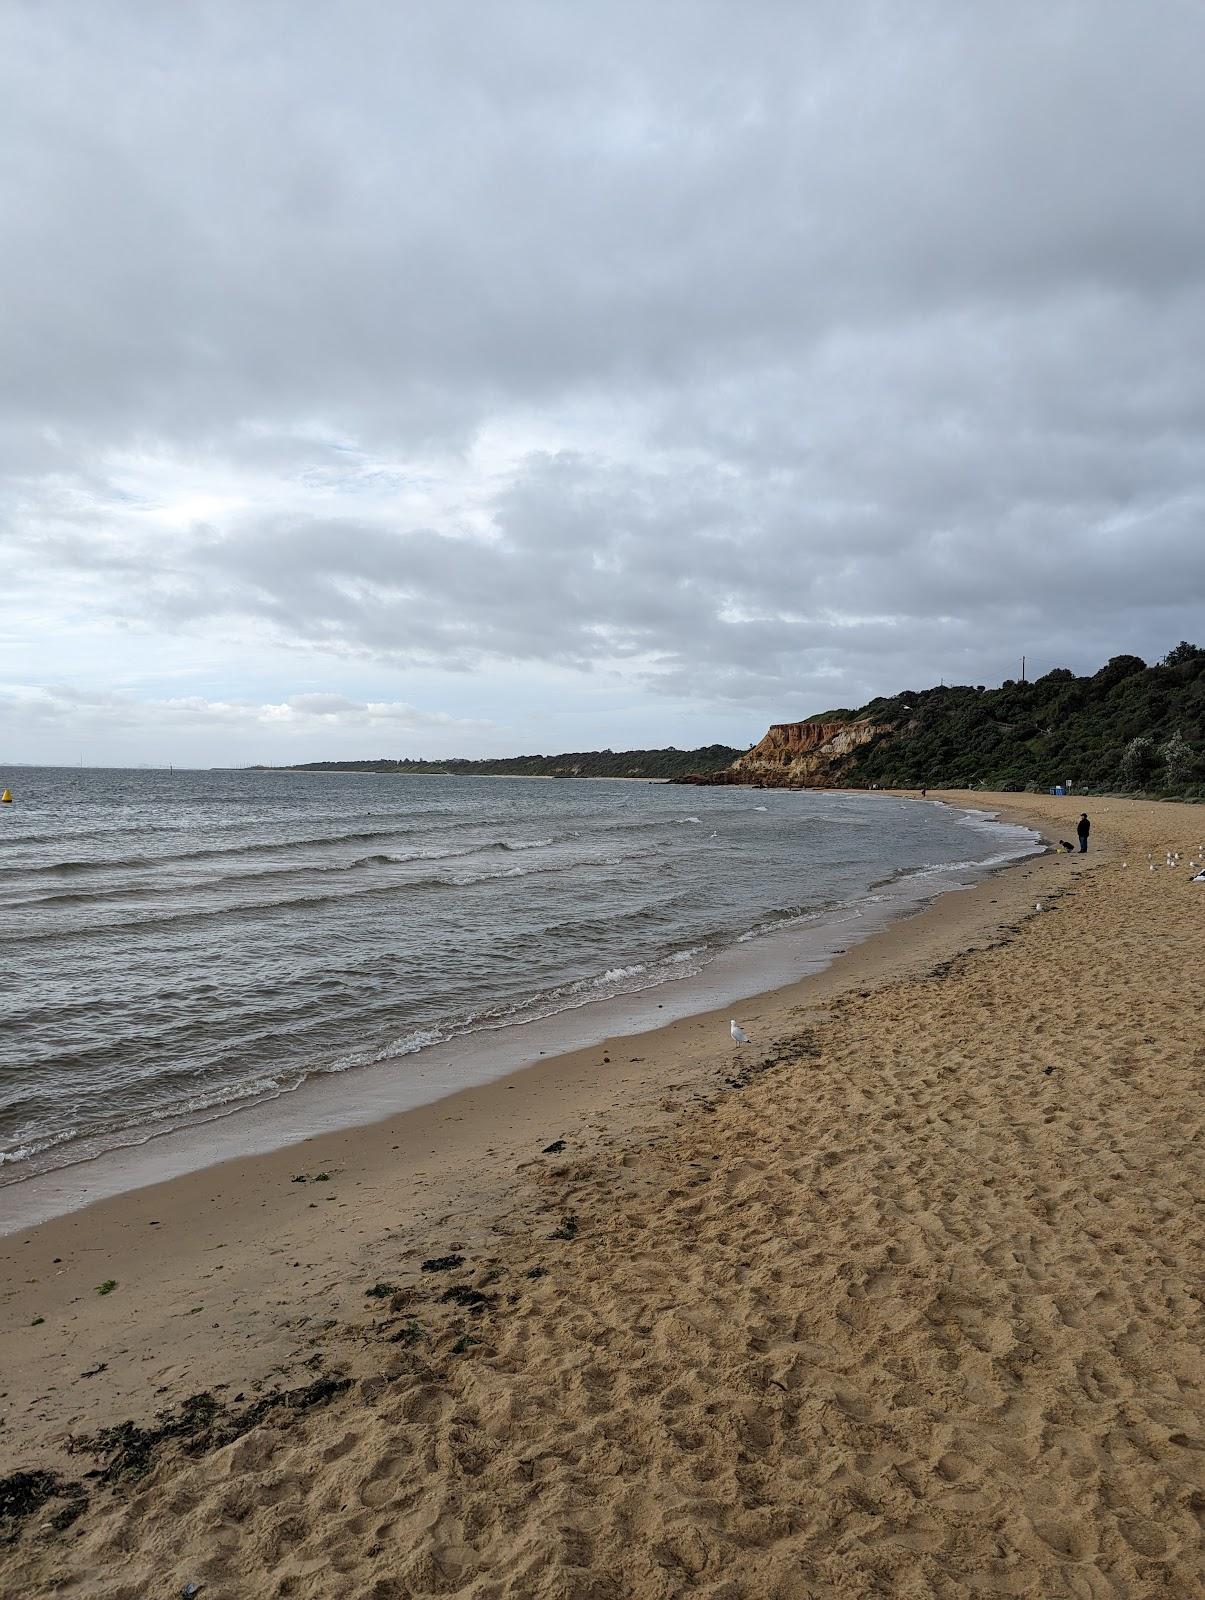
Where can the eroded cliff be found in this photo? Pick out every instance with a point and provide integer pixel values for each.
(799, 755)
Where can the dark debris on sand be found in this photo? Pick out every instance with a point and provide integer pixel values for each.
(471, 1299)
(801, 1047)
(22, 1494)
(442, 1263)
(410, 1333)
(128, 1451)
(201, 1423)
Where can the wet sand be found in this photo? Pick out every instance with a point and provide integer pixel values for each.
(897, 1299)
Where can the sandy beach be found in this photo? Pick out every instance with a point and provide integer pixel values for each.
(902, 1298)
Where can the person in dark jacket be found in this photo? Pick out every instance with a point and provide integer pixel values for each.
(1083, 827)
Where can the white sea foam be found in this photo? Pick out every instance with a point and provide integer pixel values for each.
(616, 974)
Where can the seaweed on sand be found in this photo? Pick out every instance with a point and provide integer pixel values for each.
(784, 1052)
(410, 1333)
(201, 1423)
(127, 1451)
(472, 1299)
(24, 1493)
(442, 1263)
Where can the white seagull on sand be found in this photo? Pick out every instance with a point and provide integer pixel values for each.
(738, 1033)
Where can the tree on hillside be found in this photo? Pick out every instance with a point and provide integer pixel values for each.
(1182, 654)
(1137, 762)
(1177, 761)
(1117, 670)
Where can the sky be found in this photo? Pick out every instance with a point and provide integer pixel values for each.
(486, 378)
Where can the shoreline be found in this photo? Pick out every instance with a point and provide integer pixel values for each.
(908, 1281)
(457, 1154)
(743, 974)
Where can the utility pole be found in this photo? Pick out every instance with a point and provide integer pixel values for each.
(1022, 669)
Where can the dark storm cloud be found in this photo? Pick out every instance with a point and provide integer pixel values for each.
(775, 355)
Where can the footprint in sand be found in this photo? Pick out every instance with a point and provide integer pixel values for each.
(1069, 1539)
(341, 1447)
(1143, 1536)
(952, 1468)
(381, 1484)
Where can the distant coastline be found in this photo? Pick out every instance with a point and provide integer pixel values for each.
(390, 772)
(628, 764)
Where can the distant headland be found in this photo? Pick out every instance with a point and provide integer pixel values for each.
(663, 764)
(1128, 728)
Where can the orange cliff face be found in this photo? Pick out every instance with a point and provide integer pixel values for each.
(800, 755)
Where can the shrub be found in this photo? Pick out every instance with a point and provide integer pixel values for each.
(1137, 762)
(1177, 761)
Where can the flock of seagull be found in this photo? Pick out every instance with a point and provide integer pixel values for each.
(1196, 866)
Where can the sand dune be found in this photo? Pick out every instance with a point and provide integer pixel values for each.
(901, 1300)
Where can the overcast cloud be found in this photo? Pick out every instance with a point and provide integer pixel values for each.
(496, 377)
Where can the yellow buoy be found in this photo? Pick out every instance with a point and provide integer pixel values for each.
(6, 799)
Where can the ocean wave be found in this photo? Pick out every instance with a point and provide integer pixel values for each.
(222, 1099)
(616, 974)
(408, 1044)
(464, 879)
(206, 853)
(780, 921)
(139, 863)
(214, 823)
(241, 910)
(15, 1153)
(232, 913)
(634, 977)
(153, 1122)
(150, 891)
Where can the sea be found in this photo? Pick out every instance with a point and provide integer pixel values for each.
(182, 947)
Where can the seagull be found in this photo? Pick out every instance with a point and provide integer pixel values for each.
(1038, 906)
(738, 1033)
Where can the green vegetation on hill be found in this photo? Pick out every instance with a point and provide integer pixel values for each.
(1127, 727)
(669, 763)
